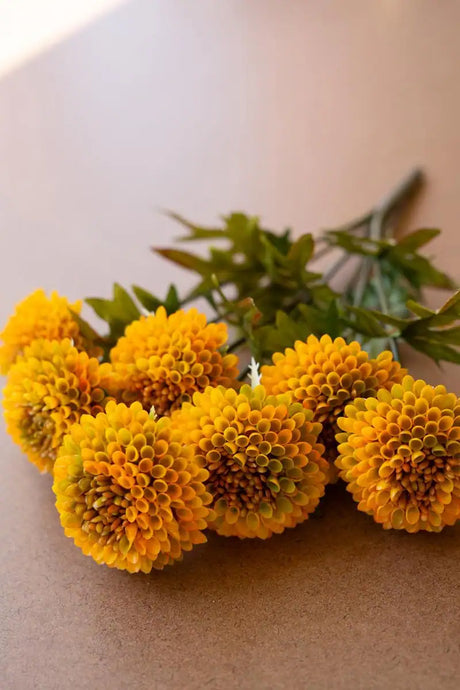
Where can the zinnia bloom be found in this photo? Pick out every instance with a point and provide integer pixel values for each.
(266, 470)
(325, 374)
(38, 316)
(48, 388)
(400, 456)
(128, 490)
(162, 360)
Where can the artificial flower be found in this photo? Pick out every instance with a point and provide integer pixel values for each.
(48, 388)
(400, 456)
(266, 470)
(324, 375)
(162, 360)
(128, 490)
(39, 316)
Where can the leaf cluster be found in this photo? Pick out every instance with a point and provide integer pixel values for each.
(263, 284)
(253, 262)
(402, 265)
(430, 332)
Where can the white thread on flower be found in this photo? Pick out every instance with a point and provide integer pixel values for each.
(254, 374)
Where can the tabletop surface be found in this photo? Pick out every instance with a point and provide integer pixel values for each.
(335, 603)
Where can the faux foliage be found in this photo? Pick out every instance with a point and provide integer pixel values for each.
(267, 285)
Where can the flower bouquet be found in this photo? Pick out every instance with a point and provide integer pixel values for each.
(175, 421)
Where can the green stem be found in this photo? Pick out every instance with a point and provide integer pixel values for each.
(335, 268)
(322, 252)
(385, 308)
(352, 225)
(402, 191)
(362, 280)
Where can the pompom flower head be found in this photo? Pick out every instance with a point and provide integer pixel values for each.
(48, 388)
(266, 470)
(38, 316)
(128, 490)
(400, 456)
(162, 360)
(324, 375)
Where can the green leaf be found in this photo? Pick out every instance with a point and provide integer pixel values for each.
(298, 325)
(148, 301)
(366, 322)
(281, 242)
(100, 306)
(321, 321)
(333, 322)
(437, 351)
(397, 322)
(282, 334)
(185, 259)
(451, 336)
(87, 331)
(118, 312)
(172, 302)
(354, 244)
(452, 306)
(419, 271)
(300, 254)
(447, 314)
(419, 309)
(124, 306)
(418, 238)
(196, 231)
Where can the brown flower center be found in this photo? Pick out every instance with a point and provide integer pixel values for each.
(37, 430)
(420, 479)
(250, 466)
(104, 508)
(241, 486)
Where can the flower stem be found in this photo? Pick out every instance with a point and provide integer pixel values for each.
(335, 268)
(393, 343)
(376, 230)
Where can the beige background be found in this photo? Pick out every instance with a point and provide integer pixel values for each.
(304, 113)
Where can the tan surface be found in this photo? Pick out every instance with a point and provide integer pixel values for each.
(335, 603)
(304, 112)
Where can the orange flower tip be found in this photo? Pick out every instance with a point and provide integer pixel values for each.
(261, 452)
(48, 388)
(399, 453)
(128, 490)
(324, 375)
(163, 360)
(39, 316)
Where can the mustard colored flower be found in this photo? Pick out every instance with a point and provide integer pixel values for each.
(266, 470)
(48, 388)
(400, 456)
(325, 374)
(38, 316)
(162, 360)
(128, 490)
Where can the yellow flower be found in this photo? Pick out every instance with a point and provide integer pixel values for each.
(325, 374)
(38, 316)
(48, 388)
(128, 490)
(400, 456)
(162, 360)
(266, 470)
